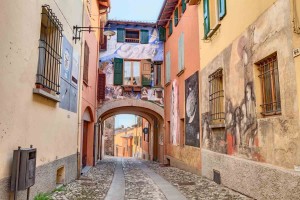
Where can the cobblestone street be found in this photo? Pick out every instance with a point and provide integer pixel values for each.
(126, 178)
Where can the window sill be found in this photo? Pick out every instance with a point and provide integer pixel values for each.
(85, 83)
(274, 113)
(221, 125)
(180, 72)
(212, 31)
(45, 94)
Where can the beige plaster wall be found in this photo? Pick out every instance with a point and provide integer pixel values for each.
(27, 118)
(240, 14)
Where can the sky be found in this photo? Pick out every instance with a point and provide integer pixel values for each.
(125, 119)
(135, 10)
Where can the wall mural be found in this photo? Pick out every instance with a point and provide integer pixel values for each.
(153, 50)
(69, 77)
(175, 121)
(240, 134)
(192, 130)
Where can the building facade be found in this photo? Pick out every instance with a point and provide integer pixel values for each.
(177, 22)
(249, 103)
(39, 80)
(131, 61)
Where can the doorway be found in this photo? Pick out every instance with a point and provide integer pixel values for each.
(84, 143)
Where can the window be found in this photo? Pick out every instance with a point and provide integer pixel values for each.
(162, 34)
(183, 5)
(216, 97)
(157, 73)
(146, 73)
(176, 17)
(86, 63)
(170, 27)
(132, 36)
(132, 74)
(48, 72)
(213, 12)
(269, 80)
(168, 67)
(181, 53)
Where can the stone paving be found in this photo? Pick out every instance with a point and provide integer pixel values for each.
(94, 185)
(193, 186)
(141, 185)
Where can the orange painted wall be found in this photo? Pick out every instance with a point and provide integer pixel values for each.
(188, 24)
(89, 90)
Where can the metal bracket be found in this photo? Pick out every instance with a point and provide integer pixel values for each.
(77, 30)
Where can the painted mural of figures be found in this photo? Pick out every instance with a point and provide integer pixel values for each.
(109, 73)
(174, 114)
(119, 92)
(237, 126)
(205, 131)
(144, 93)
(250, 103)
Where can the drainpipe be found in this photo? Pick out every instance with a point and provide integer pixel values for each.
(80, 103)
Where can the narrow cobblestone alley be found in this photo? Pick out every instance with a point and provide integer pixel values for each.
(141, 180)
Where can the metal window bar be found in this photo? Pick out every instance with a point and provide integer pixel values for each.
(216, 95)
(270, 85)
(49, 51)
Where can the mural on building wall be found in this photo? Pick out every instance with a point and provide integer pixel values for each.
(175, 121)
(69, 77)
(192, 130)
(152, 51)
(239, 137)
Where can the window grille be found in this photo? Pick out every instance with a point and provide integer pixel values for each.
(270, 85)
(216, 95)
(49, 51)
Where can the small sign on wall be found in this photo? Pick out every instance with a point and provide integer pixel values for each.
(296, 52)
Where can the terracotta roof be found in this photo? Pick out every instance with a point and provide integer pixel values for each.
(136, 23)
(166, 12)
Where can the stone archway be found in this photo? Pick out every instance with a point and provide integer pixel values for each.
(152, 112)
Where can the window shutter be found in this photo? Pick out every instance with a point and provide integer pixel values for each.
(101, 87)
(206, 17)
(181, 52)
(162, 34)
(144, 36)
(120, 35)
(183, 4)
(86, 62)
(118, 71)
(146, 74)
(168, 67)
(176, 16)
(222, 9)
(170, 27)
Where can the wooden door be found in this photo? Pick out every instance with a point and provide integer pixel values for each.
(84, 143)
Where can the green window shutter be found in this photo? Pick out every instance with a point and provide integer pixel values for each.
(118, 71)
(183, 4)
(170, 27)
(176, 16)
(120, 35)
(222, 9)
(146, 74)
(144, 36)
(162, 34)
(206, 17)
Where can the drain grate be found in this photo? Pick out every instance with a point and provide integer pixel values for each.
(217, 177)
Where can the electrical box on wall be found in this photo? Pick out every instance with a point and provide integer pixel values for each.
(23, 169)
